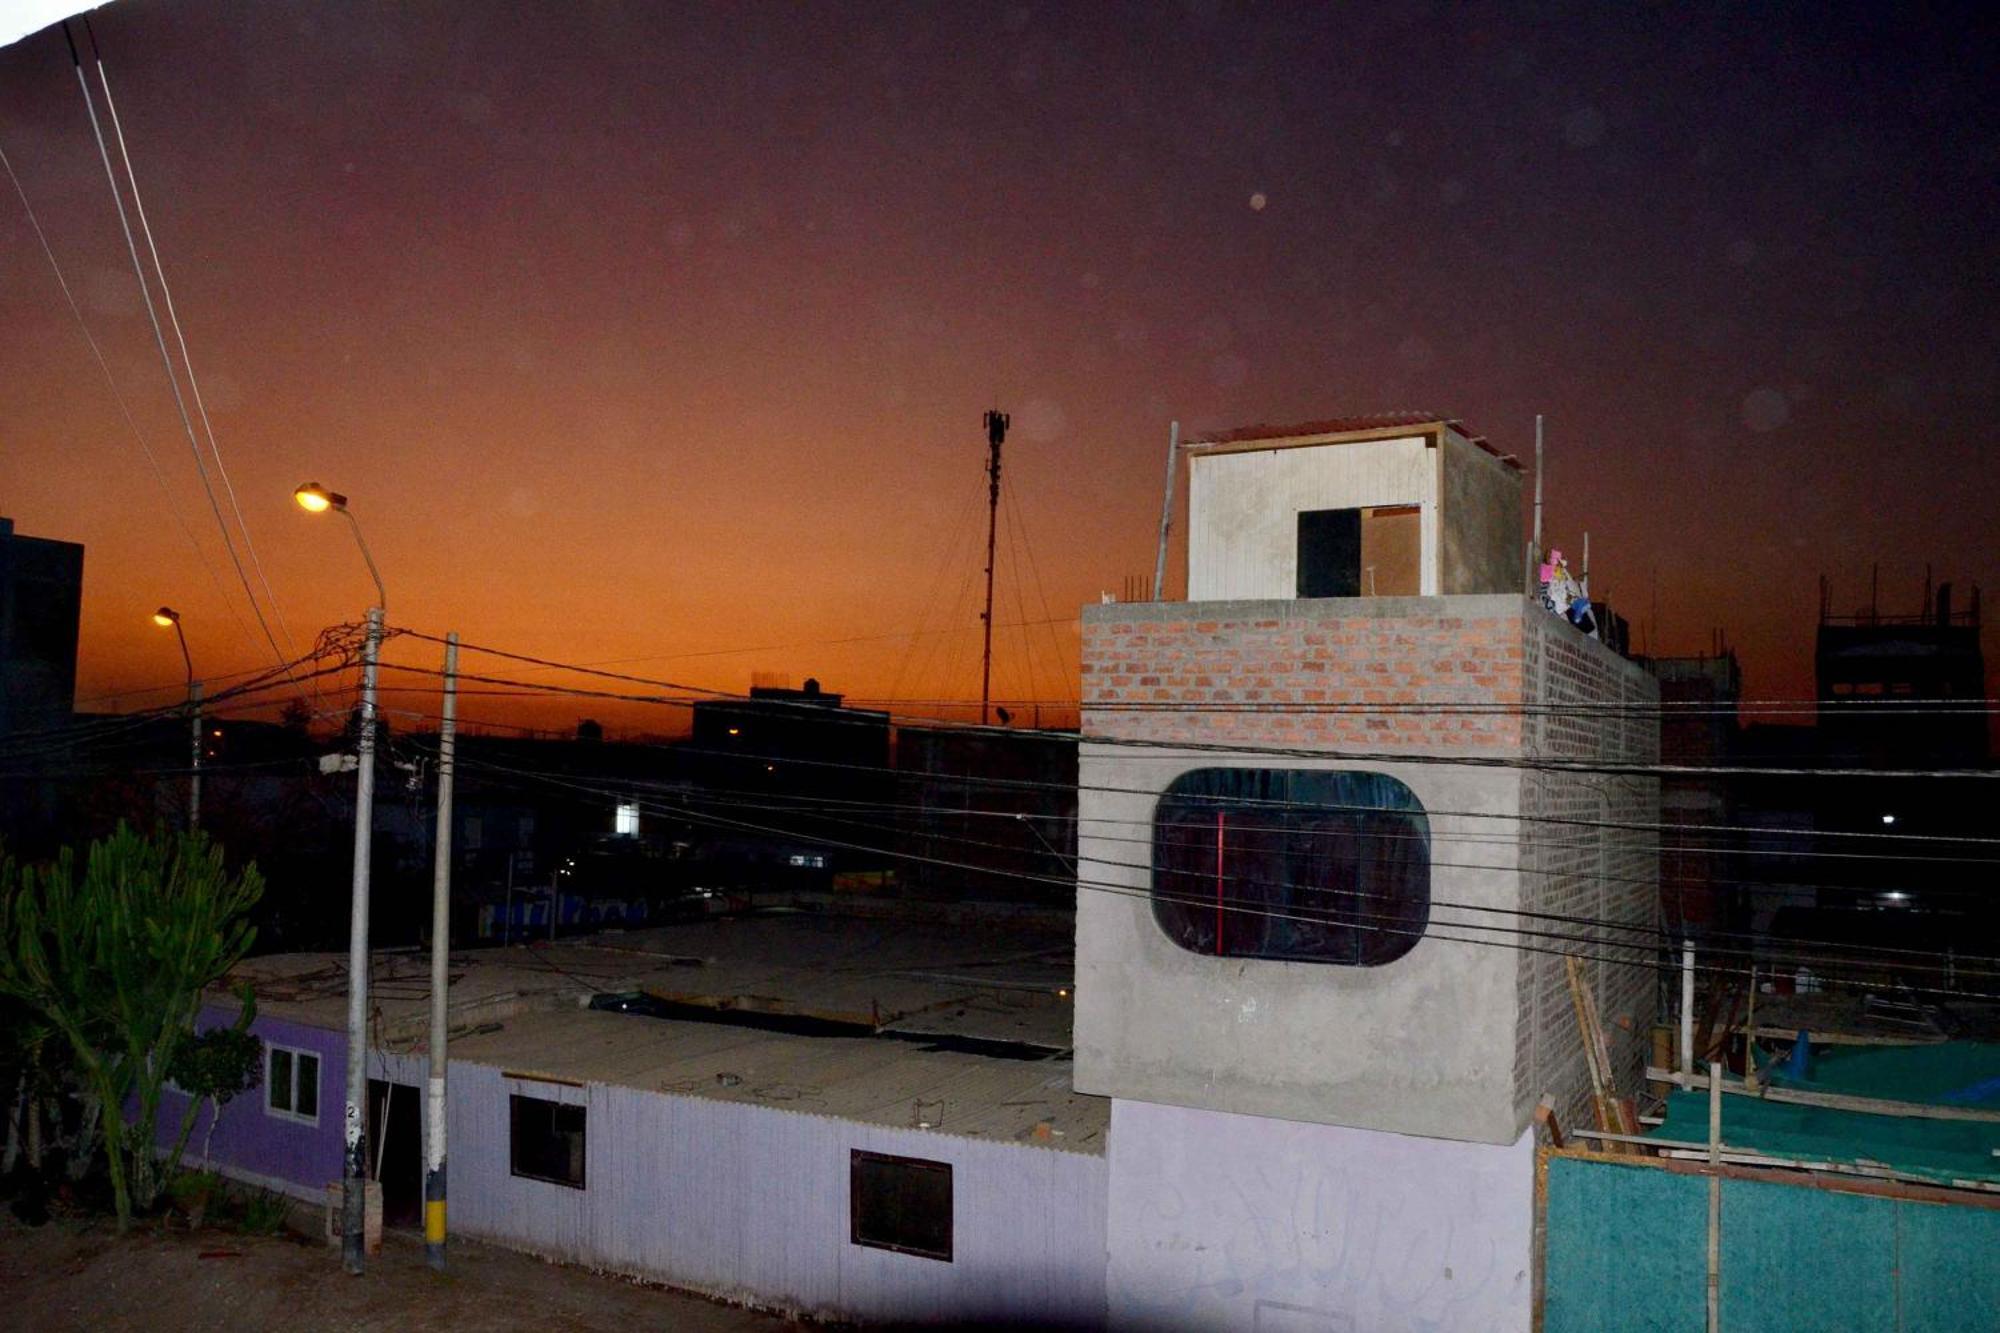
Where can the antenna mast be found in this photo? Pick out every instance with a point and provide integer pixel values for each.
(996, 435)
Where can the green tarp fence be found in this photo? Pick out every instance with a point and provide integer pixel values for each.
(1626, 1252)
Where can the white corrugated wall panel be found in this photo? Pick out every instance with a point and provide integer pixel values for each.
(1243, 509)
(752, 1203)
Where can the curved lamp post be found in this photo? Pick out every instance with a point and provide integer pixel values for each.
(164, 617)
(317, 499)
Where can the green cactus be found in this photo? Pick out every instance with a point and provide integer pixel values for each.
(116, 957)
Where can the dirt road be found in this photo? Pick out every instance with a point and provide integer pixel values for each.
(74, 1275)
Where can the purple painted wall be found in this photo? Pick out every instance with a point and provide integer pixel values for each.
(250, 1137)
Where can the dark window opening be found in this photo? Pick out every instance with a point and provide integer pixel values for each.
(1371, 552)
(1329, 553)
(901, 1204)
(547, 1140)
(1292, 864)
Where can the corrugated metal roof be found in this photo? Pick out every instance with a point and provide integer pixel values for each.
(1345, 426)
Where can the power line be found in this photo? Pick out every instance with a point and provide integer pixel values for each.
(807, 810)
(124, 410)
(187, 361)
(1635, 954)
(1027, 783)
(159, 339)
(1534, 763)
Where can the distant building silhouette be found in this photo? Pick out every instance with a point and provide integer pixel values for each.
(41, 597)
(1888, 684)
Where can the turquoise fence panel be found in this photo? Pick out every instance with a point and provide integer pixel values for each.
(1805, 1258)
(1949, 1257)
(1625, 1250)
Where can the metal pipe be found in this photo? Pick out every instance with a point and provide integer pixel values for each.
(1167, 508)
(434, 1142)
(381, 593)
(355, 1160)
(1715, 1198)
(1538, 486)
(1687, 1009)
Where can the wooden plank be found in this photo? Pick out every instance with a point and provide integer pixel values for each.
(1545, 1116)
(1838, 1101)
(1691, 1159)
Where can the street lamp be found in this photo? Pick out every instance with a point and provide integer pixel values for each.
(164, 617)
(316, 499)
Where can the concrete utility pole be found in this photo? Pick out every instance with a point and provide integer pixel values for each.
(354, 1176)
(996, 435)
(434, 1142)
(1167, 509)
(317, 499)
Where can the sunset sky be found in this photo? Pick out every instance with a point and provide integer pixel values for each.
(661, 334)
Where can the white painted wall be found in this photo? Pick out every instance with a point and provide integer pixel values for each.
(1222, 1221)
(1243, 509)
(751, 1203)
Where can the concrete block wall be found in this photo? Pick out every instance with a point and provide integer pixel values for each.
(1586, 853)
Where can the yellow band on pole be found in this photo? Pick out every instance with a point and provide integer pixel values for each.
(434, 1221)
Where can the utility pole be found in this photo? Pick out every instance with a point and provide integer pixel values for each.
(194, 771)
(354, 1207)
(996, 435)
(434, 1143)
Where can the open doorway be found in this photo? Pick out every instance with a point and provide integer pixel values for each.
(396, 1142)
(1369, 552)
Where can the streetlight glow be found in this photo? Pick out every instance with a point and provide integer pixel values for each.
(317, 499)
(166, 617)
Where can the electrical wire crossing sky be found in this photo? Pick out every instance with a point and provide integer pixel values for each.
(662, 335)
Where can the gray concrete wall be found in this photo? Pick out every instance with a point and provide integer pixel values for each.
(1479, 517)
(1226, 1221)
(1421, 1045)
(1463, 1035)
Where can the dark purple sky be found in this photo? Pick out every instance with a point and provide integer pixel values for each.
(655, 331)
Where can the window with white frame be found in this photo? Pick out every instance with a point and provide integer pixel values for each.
(291, 1084)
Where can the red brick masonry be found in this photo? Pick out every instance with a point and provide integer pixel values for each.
(1208, 671)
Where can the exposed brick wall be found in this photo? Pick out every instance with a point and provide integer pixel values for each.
(1358, 666)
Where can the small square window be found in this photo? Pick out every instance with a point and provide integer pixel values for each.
(291, 1084)
(547, 1140)
(901, 1204)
